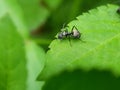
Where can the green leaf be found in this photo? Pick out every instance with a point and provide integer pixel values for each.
(35, 63)
(19, 65)
(35, 14)
(99, 48)
(13, 71)
(18, 68)
(12, 8)
(31, 14)
(52, 5)
(82, 80)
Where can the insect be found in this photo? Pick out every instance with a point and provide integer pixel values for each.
(64, 33)
(73, 34)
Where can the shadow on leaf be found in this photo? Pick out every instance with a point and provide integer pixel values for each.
(81, 80)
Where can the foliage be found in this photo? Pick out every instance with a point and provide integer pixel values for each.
(98, 47)
(63, 67)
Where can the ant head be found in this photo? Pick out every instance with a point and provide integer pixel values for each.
(63, 34)
(60, 35)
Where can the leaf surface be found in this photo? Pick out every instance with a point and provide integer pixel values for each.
(98, 48)
(18, 68)
(35, 63)
(12, 57)
(25, 12)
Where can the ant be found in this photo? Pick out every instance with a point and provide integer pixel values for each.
(74, 33)
(65, 34)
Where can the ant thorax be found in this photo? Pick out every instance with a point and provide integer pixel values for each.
(65, 33)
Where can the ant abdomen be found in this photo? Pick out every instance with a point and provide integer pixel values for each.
(75, 33)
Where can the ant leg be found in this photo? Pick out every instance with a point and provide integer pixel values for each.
(72, 30)
(64, 25)
(66, 33)
(75, 27)
(67, 26)
(70, 42)
(82, 40)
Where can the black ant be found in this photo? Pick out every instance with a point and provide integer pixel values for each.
(74, 33)
(65, 34)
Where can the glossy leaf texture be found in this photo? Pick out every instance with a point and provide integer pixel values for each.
(98, 48)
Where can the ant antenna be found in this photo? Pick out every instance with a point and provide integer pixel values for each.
(74, 27)
(64, 25)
